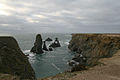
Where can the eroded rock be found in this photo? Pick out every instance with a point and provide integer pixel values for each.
(93, 47)
(13, 61)
(44, 46)
(48, 39)
(37, 48)
(55, 44)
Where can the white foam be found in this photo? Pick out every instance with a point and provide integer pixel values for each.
(26, 51)
(31, 54)
(67, 43)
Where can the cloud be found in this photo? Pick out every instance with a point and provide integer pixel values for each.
(60, 15)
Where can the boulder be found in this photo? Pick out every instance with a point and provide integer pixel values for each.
(55, 44)
(44, 46)
(50, 49)
(48, 39)
(37, 48)
(78, 67)
(13, 61)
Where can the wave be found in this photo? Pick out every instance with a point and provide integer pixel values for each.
(67, 43)
(56, 67)
(26, 51)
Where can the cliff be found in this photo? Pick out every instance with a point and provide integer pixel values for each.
(95, 46)
(13, 61)
(100, 49)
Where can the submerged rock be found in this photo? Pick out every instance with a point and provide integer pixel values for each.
(55, 44)
(37, 48)
(13, 61)
(44, 46)
(48, 39)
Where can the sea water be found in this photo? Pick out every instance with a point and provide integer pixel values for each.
(49, 63)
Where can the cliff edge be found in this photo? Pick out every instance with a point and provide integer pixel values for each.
(95, 46)
(13, 61)
(102, 50)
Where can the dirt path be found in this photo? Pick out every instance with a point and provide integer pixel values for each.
(110, 70)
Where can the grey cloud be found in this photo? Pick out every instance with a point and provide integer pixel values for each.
(61, 16)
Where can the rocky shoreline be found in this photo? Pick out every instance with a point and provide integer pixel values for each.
(89, 48)
(93, 47)
(90, 51)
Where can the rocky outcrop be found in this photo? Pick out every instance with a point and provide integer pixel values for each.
(44, 46)
(55, 44)
(50, 49)
(37, 48)
(13, 61)
(94, 46)
(48, 39)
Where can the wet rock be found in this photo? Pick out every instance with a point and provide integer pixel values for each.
(48, 39)
(13, 61)
(37, 48)
(50, 49)
(55, 44)
(78, 63)
(44, 46)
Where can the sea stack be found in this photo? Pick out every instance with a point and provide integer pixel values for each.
(13, 61)
(48, 39)
(55, 44)
(44, 46)
(37, 48)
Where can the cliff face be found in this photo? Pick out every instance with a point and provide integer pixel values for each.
(13, 61)
(95, 46)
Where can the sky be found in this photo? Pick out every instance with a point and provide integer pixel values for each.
(59, 16)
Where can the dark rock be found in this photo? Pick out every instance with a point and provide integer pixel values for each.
(44, 46)
(13, 61)
(50, 49)
(78, 67)
(37, 48)
(93, 47)
(55, 44)
(48, 39)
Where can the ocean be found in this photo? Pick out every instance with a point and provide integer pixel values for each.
(49, 63)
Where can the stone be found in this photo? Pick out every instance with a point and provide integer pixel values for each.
(93, 47)
(13, 61)
(55, 44)
(37, 48)
(48, 39)
(50, 49)
(78, 67)
(44, 46)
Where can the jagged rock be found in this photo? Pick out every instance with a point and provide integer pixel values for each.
(37, 48)
(48, 39)
(50, 49)
(78, 67)
(44, 46)
(94, 46)
(13, 61)
(55, 44)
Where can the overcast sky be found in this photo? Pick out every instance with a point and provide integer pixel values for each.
(18, 16)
